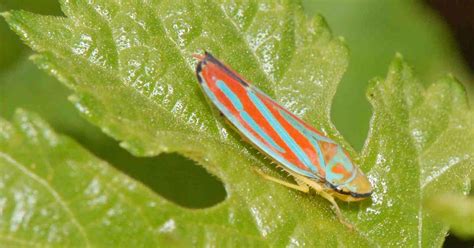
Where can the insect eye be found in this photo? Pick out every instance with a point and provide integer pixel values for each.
(342, 191)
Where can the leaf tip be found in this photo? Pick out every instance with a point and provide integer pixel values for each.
(456, 89)
(371, 88)
(6, 14)
(398, 55)
(20, 112)
(455, 84)
(341, 39)
(11, 17)
(399, 69)
(398, 61)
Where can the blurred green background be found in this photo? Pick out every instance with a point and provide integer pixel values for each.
(374, 31)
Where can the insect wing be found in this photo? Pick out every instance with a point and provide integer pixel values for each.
(273, 129)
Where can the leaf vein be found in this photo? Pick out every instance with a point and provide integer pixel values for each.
(53, 192)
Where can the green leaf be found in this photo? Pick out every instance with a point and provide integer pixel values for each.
(130, 67)
(420, 144)
(456, 211)
(55, 193)
(11, 46)
(375, 31)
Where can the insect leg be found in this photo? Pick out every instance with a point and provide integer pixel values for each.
(336, 208)
(322, 192)
(300, 186)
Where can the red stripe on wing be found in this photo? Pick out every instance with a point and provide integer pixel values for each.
(298, 137)
(211, 72)
(207, 74)
(306, 125)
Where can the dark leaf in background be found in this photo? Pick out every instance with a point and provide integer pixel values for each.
(459, 16)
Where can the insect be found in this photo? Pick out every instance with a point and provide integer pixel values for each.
(314, 160)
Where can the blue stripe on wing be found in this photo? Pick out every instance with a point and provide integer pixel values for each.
(281, 131)
(310, 135)
(252, 138)
(245, 116)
